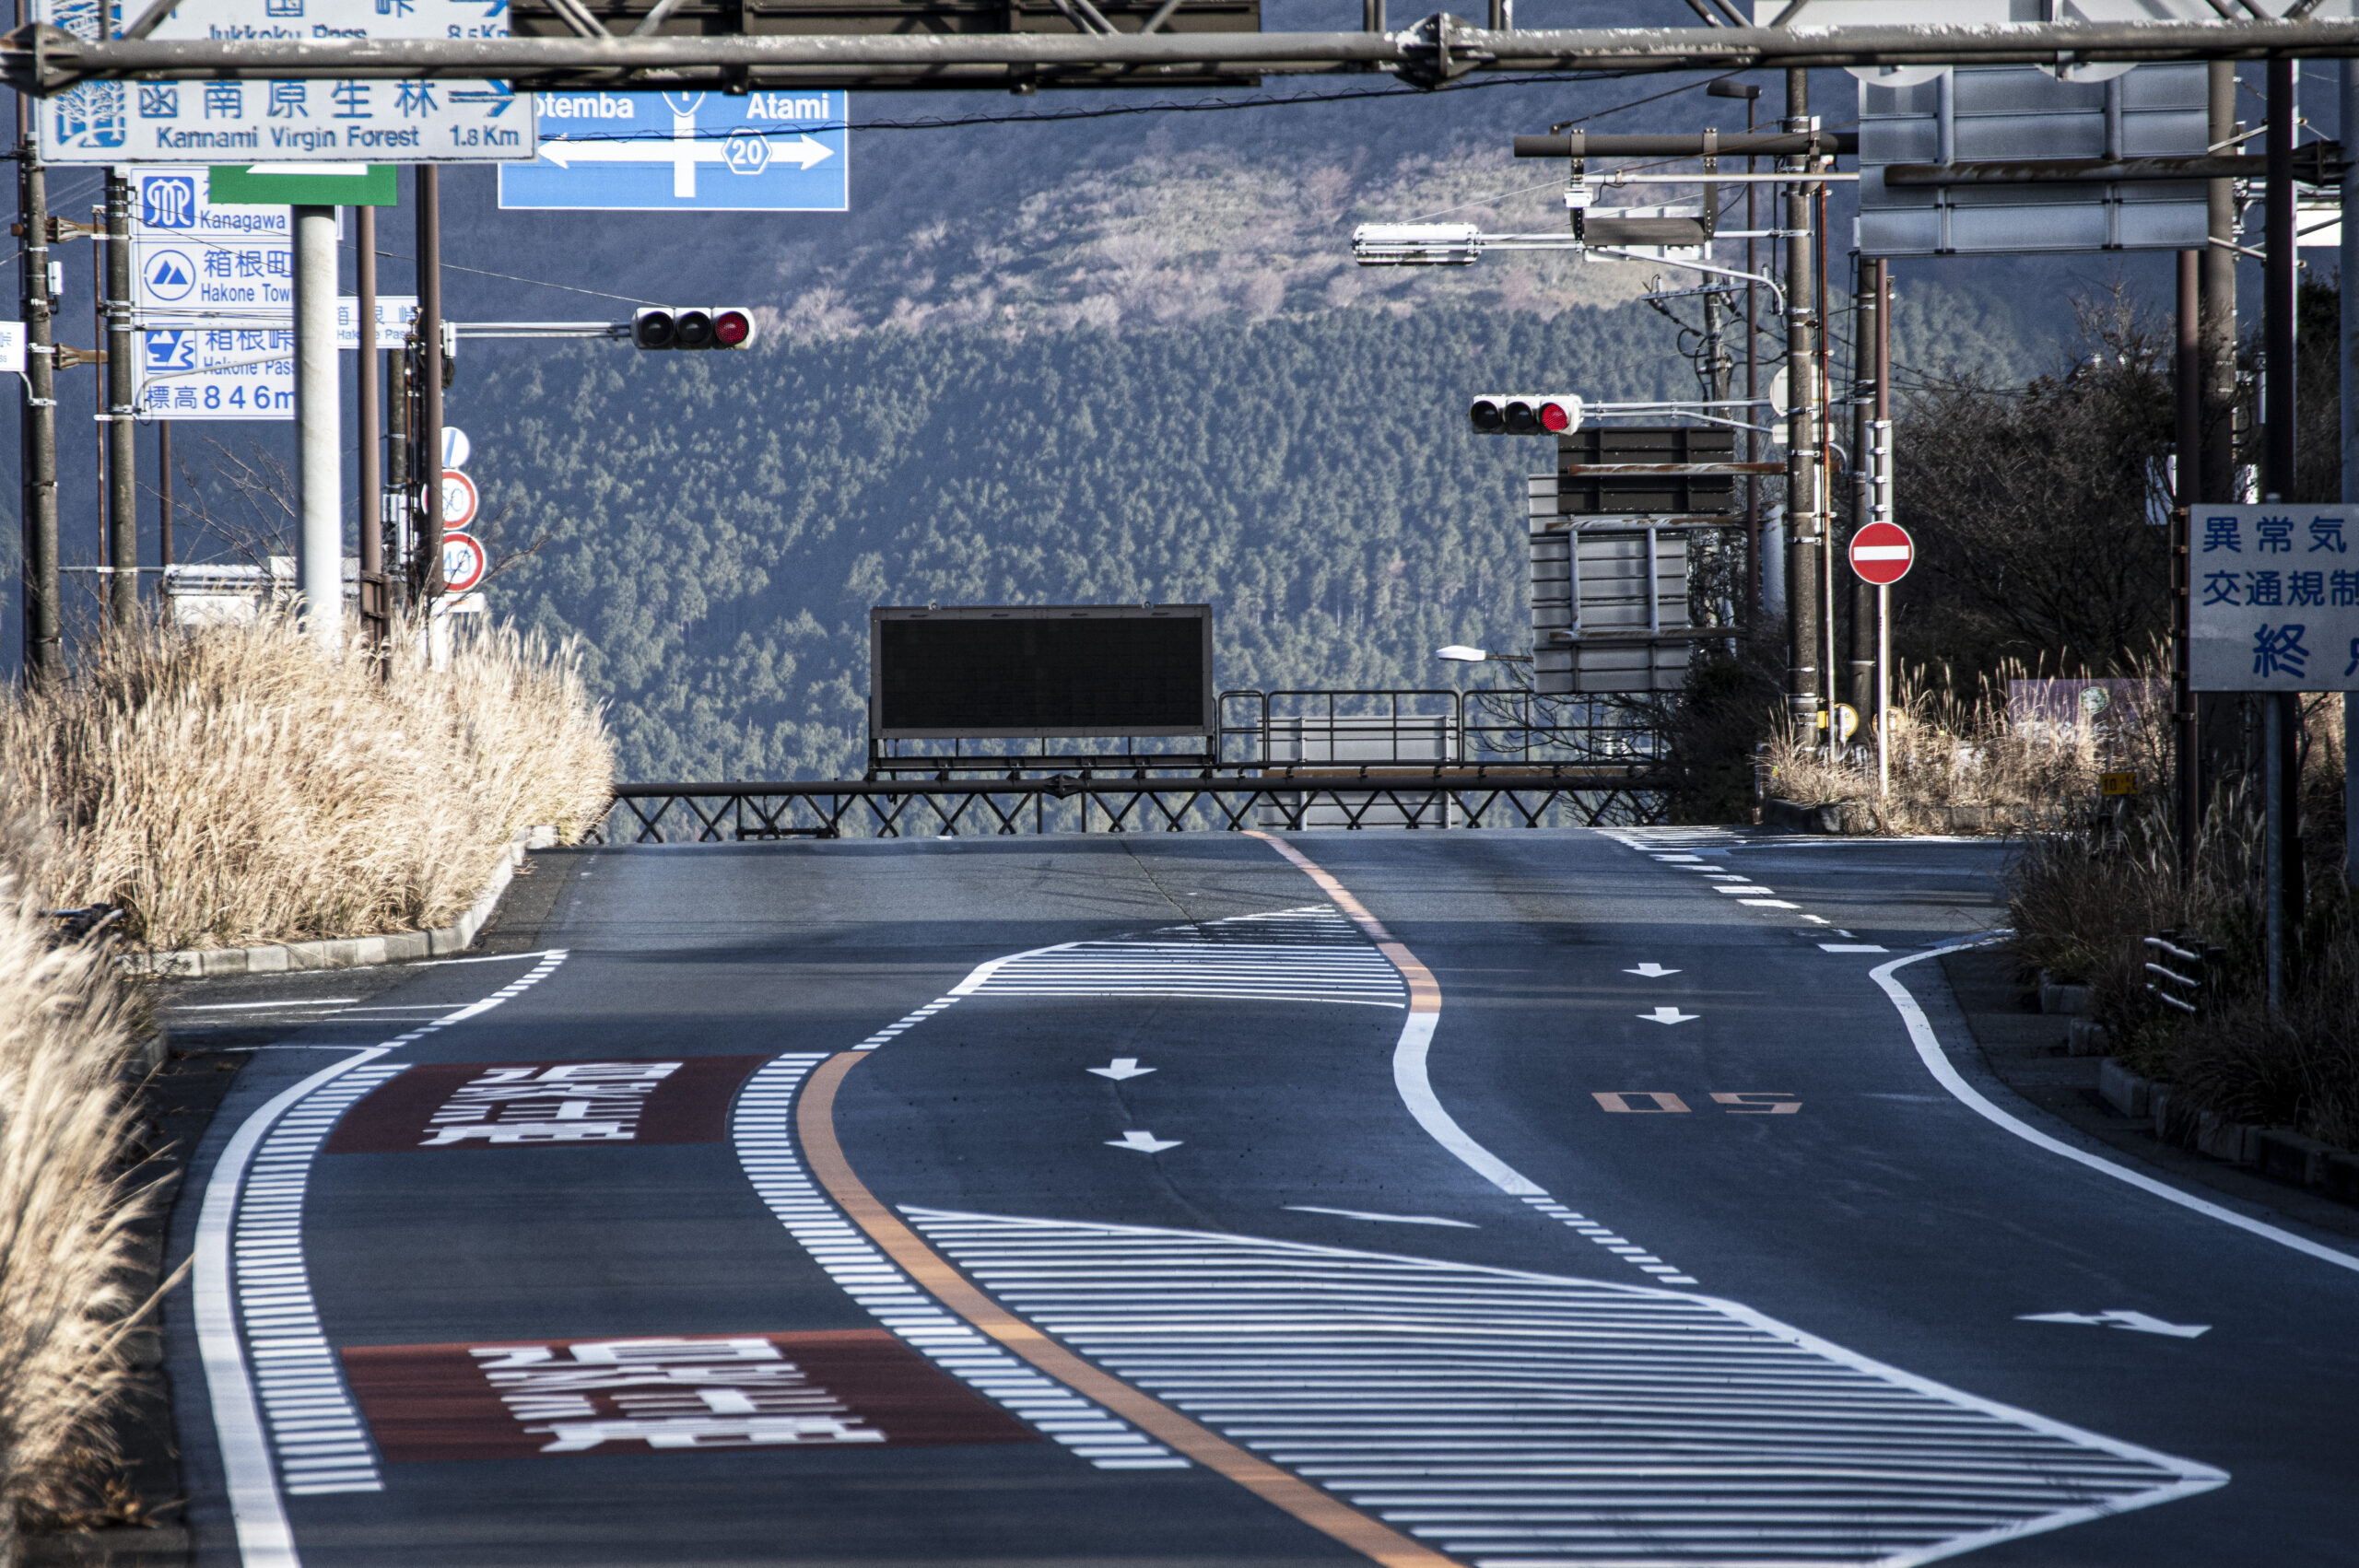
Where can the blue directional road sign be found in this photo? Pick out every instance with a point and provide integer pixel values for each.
(686, 152)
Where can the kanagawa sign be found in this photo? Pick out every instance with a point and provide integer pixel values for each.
(686, 152)
(194, 257)
(2276, 599)
(1881, 553)
(334, 121)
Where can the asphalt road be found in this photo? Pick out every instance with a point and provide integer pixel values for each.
(1509, 1199)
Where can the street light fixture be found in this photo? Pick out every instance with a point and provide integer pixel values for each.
(1457, 652)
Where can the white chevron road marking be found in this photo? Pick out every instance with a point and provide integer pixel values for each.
(1520, 1420)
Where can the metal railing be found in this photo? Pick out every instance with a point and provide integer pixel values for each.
(1373, 758)
(2182, 992)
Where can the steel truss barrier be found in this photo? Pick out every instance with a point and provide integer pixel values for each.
(1387, 796)
(41, 59)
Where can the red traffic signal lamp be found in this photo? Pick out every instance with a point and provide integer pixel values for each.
(692, 326)
(1524, 413)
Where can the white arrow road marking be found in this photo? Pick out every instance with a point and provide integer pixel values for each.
(1123, 1066)
(1384, 1219)
(2137, 1322)
(1144, 1142)
(1670, 1015)
(1651, 970)
(1851, 947)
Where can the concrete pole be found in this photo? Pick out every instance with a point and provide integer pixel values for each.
(319, 419)
(2349, 346)
(122, 432)
(2281, 895)
(2186, 790)
(374, 593)
(2217, 481)
(425, 458)
(44, 634)
(1805, 506)
(1864, 336)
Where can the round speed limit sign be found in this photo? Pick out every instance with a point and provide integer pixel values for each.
(463, 562)
(459, 500)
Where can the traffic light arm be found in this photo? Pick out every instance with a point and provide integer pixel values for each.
(542, 329)
(1461, 244)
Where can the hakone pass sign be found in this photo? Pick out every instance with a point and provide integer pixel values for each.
(1038, 670)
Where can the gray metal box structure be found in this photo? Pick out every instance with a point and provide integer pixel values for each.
(2009, 113)
(1610, 532)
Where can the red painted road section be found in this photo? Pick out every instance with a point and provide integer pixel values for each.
(553, 1104)
(668, 1394)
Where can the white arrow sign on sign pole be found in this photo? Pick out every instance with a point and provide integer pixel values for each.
(742, 150)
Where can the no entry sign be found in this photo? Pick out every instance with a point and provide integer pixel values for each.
(1881, 553)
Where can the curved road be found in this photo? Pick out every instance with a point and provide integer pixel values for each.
(1498, 1199)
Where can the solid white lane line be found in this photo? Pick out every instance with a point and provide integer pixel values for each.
(275, 1145)
(1382, 1219)
(1937, 1062)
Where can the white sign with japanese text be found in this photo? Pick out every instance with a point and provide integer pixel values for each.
(191, 258)
(2276, 598)
(245, 372)
(287, 122)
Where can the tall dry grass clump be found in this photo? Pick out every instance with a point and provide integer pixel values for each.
(1948, 751)
(228, 785)
(2082, 902)
(67, 1201)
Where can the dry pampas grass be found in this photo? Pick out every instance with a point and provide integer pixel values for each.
(1948, 751)
(67, 1202)
(228, 785)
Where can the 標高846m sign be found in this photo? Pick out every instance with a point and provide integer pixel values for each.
(2276, 599)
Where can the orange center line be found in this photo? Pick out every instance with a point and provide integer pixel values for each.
(815, 1120)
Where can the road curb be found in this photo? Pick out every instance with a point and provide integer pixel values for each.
(346, 952)
(2278, 1152)
(1857, 818)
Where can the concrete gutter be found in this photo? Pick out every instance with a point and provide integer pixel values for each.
(348, 953)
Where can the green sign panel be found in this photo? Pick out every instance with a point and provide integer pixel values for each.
(305, 184)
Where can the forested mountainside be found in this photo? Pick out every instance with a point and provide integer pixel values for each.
(719, 525)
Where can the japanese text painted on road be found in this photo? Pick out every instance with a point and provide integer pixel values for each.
(2275, 599)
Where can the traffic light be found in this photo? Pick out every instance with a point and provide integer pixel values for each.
(1524, 413)
(692, 326)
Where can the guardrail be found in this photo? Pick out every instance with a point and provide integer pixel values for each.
(1369, 796)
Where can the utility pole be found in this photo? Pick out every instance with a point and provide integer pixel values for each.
(2350, 380)
(1805, 504)
(2281, 712)
(426, 460)
(123, 452)
(164, 504)
(401, 514)
(1751, 93)
(2187, 789)
(44, 637)
(1864, 385)
(375, 593)
(2217, 481)
(319, 419)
